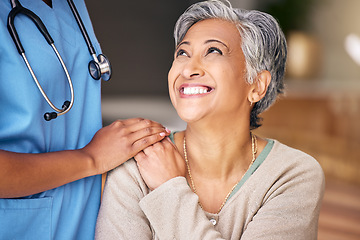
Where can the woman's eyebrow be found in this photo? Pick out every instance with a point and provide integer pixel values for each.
(217, 41)
(206, 42)
(182, 43)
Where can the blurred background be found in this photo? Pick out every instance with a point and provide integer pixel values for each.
(319, 114)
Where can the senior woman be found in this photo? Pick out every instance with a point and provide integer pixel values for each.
(216, 179)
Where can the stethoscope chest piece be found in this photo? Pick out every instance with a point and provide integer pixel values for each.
(100, 68)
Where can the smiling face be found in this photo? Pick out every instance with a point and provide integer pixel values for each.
(207, 77)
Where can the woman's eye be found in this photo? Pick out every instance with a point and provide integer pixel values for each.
(214, 50)
(181, 53)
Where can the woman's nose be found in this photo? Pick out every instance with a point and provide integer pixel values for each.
(193, 68)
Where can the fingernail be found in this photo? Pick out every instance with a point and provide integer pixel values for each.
(162, 134)
(167, 130)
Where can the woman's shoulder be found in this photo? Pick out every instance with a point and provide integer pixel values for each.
(288, 155)
(284, 161)
(287, 169)
(127, 174)
(128, 167)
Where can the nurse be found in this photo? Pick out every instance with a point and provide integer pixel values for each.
(50, 174)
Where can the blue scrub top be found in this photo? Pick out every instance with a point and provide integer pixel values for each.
(70, 211)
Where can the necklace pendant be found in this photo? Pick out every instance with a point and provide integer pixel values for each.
(213, 221)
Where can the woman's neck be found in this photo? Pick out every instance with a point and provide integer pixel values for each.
(216, 153)
(217, 159)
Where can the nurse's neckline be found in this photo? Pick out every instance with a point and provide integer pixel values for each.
(48, 2)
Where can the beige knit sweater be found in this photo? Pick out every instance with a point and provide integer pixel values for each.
(280, 200)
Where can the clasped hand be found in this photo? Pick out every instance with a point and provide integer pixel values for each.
(159, 163)
(122, 140)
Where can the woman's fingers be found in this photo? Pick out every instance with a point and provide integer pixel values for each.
(159, 163)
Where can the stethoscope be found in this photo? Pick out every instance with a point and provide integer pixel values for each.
(99, 67)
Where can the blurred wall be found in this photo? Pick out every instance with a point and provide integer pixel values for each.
(137, 38)
(332, 21)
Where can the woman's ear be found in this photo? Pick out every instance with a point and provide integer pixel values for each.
(259, 87)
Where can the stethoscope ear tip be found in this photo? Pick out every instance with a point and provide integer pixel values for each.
(50, 115)
(66, 105)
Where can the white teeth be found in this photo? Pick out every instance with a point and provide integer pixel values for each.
(195, 90)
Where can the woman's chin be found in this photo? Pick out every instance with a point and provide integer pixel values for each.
(190, 117)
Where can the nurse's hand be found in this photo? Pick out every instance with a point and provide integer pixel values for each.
(160, 163)
(123, 139)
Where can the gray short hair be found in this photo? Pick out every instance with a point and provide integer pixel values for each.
(263, 44)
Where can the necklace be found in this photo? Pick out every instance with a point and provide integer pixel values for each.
(253, 150)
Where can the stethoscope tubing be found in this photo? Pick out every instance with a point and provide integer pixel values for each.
(59, 111)
(82, 27)
(99, 67)
(17, 8)
(63, 111)
(102, 63)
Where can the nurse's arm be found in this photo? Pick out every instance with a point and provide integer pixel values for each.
(23, 174)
